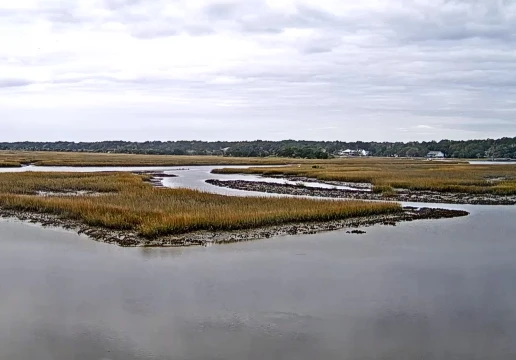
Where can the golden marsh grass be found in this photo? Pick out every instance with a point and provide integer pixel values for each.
(42, 158)
(128, 203)
(388, 174)
(4, 164)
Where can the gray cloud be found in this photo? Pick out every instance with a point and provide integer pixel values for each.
(11, 83)
(305, 17)
(350, 70)
(219, 11)
(456, 21)
(119, 4)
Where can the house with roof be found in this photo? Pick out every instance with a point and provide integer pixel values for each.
(435, 155)
(349, 152)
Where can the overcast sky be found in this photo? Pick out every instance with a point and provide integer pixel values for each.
(241, 70)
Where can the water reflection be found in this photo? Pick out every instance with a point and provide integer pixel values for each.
(160, 253)
(422, 290)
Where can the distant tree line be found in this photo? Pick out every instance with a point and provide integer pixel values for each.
(500, 148)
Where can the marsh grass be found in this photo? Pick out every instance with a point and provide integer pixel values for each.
(389, 174)
(385, 190)
(8, 164)
(43, 158)
(131, 204)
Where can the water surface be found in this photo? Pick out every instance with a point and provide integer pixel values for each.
(433, 289)
(493, 162)
(440, 289)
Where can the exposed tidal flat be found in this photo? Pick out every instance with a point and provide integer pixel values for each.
(423, 196)
(388, 176)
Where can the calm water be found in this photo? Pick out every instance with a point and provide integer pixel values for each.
(423, 290)
(438, 289)
(493, 162)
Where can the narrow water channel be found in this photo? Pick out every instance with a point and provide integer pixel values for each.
(192, 177)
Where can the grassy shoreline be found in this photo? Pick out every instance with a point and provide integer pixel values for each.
(10, 164)
(42, 158)
(389, 175)
(420, 196)
(80, 159)
(126, 238)
(127, 203)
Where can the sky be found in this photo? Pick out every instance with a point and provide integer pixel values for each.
(370, 70)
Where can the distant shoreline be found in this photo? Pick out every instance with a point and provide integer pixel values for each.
(287, 148)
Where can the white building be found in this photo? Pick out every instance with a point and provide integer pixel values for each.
(350, 152)
(435, 155)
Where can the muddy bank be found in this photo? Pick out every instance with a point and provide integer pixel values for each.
(401, 195)
(132, 239)
(154, 177)
(304, 179)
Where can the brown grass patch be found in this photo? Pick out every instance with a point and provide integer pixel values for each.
(389, 174)
(9, 164)
(131, 204)
(42, 158)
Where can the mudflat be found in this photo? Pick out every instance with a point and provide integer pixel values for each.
(403, 195)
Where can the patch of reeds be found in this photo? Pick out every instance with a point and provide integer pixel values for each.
(30, 183)
(389, 174)
(43, 158)
(131, 204)
(9, 164)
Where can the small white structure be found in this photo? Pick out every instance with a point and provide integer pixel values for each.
(435, 155)
(350, 152)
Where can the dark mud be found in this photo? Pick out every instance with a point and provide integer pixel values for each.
(132, 239)
(359, 232)
(400, 195)
(304, 179)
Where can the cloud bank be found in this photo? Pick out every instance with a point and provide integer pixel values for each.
(233, 70)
